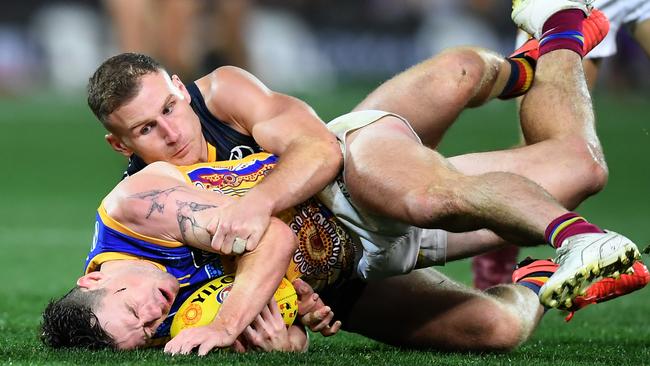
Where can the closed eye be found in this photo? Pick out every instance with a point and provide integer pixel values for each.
(132, 310)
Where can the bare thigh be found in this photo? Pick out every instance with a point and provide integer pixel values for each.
(386, 164)
(432, 94)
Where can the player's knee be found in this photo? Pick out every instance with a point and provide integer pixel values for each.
(434, 205)
(467, 67)
(588, 165)
(476, 69)
(494, 329)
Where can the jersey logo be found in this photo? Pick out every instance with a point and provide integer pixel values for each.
(240, 151)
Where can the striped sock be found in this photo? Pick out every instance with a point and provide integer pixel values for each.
(533, 274)
(568, 225)
(563, 30)
(522, 71)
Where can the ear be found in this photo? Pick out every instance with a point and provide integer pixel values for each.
(118, 145)
(91, 280)
(176, 81)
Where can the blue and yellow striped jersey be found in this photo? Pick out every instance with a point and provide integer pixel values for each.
(326, 252)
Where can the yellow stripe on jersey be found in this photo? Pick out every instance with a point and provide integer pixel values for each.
(212, 153)
(101, 258)
(226, 164)
(115, 225)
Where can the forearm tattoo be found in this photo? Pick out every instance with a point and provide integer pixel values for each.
(190, 228)
(157, 198)
(188, 224)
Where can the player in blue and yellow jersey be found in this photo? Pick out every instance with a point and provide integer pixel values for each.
(324, 257)
(153, 248)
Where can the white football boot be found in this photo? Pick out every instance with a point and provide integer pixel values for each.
(530, 15)
(583, 258)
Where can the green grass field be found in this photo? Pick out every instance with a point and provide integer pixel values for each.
(57, 168)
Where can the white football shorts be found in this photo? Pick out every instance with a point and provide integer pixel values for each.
(389, 247)
(619, 12)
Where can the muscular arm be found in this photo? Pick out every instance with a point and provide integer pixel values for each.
(258, 275)
(157, 202)
(309, 154)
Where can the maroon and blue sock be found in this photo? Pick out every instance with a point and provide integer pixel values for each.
(568, 225)
(563, 30)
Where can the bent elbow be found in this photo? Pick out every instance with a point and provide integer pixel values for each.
(331, 156)
(285, 242)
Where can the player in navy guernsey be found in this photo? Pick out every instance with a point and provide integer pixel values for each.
(227, 114)
(224, 142)
(187, 257)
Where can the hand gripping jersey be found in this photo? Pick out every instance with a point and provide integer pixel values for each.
(325, 256)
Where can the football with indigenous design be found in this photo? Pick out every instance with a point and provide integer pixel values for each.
(203, 305)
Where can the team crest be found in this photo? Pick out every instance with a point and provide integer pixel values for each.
(223, 294)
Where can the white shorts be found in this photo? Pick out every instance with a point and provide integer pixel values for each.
(389, 247)
(619, 12)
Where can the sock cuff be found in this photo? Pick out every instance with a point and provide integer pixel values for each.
(520, 79)
(560, 223)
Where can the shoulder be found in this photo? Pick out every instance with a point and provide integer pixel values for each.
(228, 80)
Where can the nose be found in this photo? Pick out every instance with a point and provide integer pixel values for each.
(170, 131)
(150, 313)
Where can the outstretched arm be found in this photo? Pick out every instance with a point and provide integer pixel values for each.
(157, 202)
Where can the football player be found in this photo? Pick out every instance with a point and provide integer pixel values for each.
(390, 178)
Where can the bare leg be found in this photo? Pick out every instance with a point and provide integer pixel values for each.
(432, 94)
(176, 33)
(591, 66)
(389, 173)
(438, 313)
(229, 20)
(563, 144)
(568, 107)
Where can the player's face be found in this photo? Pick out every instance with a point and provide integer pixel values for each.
(135, 304)
(159, 123)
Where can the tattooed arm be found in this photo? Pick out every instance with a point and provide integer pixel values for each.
(157, 202)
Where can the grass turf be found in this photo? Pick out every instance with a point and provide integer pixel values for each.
(57, 169)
